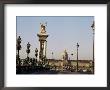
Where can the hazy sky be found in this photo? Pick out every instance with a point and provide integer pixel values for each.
(64, 33)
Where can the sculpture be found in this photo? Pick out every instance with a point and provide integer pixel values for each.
(42, 31)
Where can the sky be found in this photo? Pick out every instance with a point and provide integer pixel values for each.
(64, 33)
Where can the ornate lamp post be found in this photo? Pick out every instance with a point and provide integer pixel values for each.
(36, 53)
(28, 50)
(18, 47)
(77, 55)
(72, 54)
(93, 29)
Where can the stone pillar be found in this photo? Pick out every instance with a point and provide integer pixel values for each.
(43, 43)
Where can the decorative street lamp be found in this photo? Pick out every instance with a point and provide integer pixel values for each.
(18, 44)
(18, 47)
(28, 50)
(72, 54)
(77, 55)
(36, 53)
(93, 29)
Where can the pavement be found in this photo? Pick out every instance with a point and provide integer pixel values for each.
(66, 72)
(57, 72)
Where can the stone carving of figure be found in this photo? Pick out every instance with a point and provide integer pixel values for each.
(65, 55)
(43, 31)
